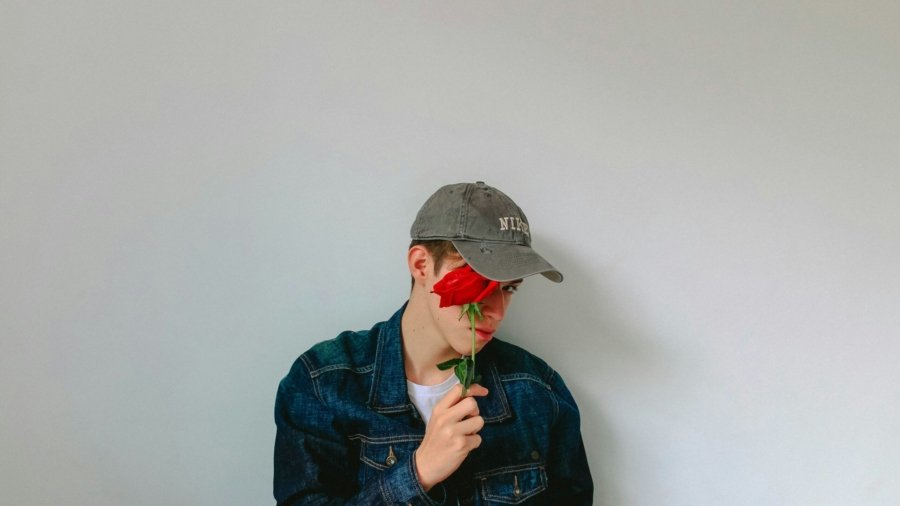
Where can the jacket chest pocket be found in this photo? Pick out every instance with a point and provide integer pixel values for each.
(380, 454)
(512, 485)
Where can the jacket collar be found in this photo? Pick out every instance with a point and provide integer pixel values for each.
(389, 393)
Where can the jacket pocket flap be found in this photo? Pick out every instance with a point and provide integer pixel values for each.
(385, 454)
(513, 485)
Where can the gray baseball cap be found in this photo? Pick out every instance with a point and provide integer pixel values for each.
(487, 228)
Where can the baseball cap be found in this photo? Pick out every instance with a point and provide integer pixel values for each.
(487, 228)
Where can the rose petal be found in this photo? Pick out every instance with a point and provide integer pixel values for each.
(462, 286)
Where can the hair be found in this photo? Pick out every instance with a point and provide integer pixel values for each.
(439, 249)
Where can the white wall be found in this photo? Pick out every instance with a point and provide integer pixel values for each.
(193, 193)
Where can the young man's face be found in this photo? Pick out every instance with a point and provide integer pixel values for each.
(455, 330)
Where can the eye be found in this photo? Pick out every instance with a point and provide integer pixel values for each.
(510, 288)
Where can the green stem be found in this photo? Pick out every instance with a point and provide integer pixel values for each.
(472, 325)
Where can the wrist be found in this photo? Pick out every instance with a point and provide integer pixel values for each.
(426, 484)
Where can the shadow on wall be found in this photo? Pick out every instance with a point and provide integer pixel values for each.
(605, 356)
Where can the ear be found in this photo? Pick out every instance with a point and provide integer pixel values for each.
(419, 262)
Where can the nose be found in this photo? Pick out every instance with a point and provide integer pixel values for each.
(494, 305)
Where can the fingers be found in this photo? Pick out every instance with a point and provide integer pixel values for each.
(477, 390)
(462, 445)
(470, 426)
(454, 396)
(473, 441)
(466, 409)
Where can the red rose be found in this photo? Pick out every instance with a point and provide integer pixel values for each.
(463, 286)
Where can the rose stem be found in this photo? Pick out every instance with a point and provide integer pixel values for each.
(472, 325)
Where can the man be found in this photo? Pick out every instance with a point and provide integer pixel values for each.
(368, 418)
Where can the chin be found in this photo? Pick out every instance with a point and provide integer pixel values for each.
(467, 350)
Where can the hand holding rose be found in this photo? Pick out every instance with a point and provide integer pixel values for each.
(452, 433)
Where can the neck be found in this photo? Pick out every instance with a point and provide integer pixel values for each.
(423, 346)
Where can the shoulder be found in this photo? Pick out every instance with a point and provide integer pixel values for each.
(524, 375)
(517, 364)
(350, 350)
(514, 362)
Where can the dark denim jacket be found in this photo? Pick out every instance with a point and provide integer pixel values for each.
(347, 430)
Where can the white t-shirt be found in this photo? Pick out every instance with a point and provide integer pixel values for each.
(424, 397)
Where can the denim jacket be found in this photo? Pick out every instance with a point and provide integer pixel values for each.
(347, 430)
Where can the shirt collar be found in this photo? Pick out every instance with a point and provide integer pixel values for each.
(389, 393)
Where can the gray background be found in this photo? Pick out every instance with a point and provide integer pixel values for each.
(193, 193)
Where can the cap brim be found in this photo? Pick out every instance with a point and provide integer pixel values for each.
(505, 261)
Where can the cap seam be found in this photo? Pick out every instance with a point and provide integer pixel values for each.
(464, 211)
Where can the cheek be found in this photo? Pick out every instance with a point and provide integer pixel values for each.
(444, 316)
(450, 315)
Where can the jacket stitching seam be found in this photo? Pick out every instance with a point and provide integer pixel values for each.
(312, 379)
(386, 439)
(525, 377)
(507, 469)
(376, 372)
(342, 367)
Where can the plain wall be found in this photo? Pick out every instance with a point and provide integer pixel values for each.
(193, 193)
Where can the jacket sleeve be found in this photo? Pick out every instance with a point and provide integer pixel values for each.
(569, 477)
(313, 462)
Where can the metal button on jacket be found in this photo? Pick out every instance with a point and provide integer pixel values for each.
(391, 458)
